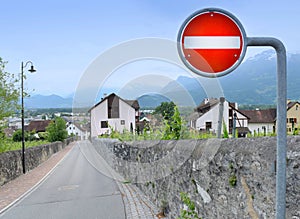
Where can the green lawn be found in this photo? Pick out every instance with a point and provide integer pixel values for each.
(9, 145)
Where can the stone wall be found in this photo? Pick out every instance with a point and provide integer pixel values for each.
(227, 178)
(11, 161)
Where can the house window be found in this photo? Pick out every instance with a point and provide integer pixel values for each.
(104, 124)
(122, 122)
(208, 126)
(296, 107)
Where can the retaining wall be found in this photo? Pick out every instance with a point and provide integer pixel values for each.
(227, 178)
(11, 161)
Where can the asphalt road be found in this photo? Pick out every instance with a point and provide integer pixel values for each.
(75, 189)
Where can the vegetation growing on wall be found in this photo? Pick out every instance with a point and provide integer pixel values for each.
(189, 212)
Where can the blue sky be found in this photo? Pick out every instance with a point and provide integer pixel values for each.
(62, 37)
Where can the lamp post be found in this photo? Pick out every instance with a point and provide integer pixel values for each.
(22, 108)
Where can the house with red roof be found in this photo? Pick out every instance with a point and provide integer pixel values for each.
(261, 121)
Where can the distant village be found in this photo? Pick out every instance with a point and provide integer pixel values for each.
(76, 124)
(115, 113)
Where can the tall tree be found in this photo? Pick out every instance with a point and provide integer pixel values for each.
(9, 92)
(166, 109)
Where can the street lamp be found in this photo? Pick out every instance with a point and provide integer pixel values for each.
(22, 108)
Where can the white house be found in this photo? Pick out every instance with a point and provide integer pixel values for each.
(206, 117)
(77, 130)
(112, 112)
(261, 121)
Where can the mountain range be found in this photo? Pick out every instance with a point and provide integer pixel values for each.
(50, 101)
(253, 82)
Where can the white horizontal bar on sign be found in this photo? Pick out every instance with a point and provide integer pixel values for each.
(212, 42)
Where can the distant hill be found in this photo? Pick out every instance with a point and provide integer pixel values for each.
(50, 101)
(151, 100)
(252, 83)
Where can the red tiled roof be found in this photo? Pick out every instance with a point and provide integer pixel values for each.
(38, 125)
(260, 116)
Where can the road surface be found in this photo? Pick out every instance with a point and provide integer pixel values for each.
(75, 189)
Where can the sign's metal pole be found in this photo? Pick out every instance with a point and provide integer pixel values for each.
(281, 119)
(234, 125)
(220, 120)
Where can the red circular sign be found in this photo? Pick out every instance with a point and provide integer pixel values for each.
(212, 42)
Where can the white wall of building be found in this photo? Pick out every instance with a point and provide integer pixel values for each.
(100, 113)
(213, 116)
(127, 114)
(258, 127)
(242, 121)
(74, 130)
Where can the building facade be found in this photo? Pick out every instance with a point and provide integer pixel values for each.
(293, 116)
(261, 121)
(114, 113)
(206, 117)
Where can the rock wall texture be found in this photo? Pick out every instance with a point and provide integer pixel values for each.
(11, 162)
(226, 178)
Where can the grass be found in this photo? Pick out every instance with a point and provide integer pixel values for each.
(9, 145)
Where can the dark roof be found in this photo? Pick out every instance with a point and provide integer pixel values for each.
(291, 104)
(260, 116)
(81, 127)
(206, 105)
(132, 103)
(38, 125)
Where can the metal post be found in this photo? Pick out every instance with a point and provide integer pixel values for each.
(234, 126)
(220, 121)
(281, 119)
(22, 109)
(22, 118)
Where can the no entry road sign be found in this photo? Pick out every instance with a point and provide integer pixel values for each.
(211, 42)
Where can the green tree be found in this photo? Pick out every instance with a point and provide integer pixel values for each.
(173, 126)
(9, 92)
(57, 130)
(166, 109)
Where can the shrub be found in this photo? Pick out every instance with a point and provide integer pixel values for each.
(57, 130)
(17, 136)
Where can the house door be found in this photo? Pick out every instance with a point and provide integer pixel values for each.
(208, 126)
